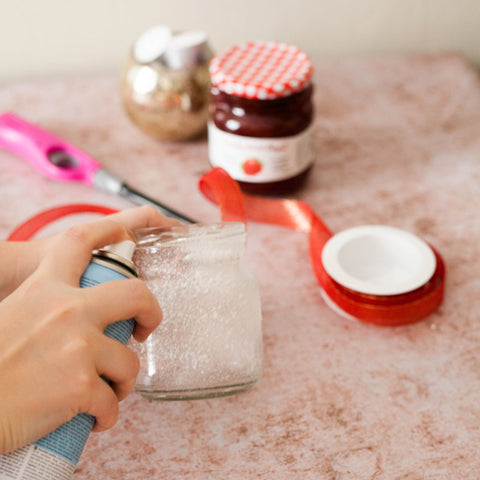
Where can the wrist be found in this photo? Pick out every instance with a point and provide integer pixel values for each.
(6, 443)
(18, 260)
(8, 260)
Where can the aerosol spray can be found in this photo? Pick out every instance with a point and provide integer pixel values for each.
(56, 455)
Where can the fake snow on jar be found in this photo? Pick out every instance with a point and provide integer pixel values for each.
(260, 125)
(209, 343)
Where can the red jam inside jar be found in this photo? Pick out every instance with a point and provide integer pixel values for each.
(260, 127)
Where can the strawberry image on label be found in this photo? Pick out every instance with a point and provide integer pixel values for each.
(251, 166)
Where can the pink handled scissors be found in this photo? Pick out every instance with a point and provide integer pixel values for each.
(63, 162)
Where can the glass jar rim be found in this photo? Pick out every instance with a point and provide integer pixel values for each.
(149, 236)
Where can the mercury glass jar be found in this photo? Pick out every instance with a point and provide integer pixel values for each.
(260, 126)
(209, 343)
(165, 83)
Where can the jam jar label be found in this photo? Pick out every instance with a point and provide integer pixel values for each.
(259, 160)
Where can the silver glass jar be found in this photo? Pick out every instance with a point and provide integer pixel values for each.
(209, 343)
(165, 83)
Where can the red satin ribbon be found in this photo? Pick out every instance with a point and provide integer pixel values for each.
(29, 228)
(391, 310)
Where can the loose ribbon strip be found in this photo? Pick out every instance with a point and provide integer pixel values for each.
(388, 310)
(29, 228)
(220, 188)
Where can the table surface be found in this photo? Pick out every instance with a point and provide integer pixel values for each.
(397, 142)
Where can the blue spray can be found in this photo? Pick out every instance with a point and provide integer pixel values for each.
(56, 455)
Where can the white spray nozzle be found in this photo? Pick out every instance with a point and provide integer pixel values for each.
(123, 249)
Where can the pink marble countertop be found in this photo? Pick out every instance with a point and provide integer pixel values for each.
(398, 143)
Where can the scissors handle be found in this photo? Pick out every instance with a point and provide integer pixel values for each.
(50, 155)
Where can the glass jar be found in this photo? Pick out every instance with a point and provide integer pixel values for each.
(260, 124)
(209, 343)
(165, 84)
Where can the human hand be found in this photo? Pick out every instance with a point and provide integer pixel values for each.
(52, 346)
(20, 259)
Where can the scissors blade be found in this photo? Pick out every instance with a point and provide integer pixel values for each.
(108, 182)
(141, 199)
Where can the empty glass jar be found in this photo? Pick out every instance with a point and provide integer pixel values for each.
(209, 343)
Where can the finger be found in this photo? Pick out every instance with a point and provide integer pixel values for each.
(117, 363)
(70, 252)
(143, 217)
(121, 300)
(104, 406)
(132, 218)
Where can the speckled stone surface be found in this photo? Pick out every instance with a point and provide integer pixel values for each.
(398, 143)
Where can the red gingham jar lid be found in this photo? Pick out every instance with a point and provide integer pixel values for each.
(261, 70)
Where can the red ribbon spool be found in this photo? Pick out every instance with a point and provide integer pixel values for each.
(383, 310)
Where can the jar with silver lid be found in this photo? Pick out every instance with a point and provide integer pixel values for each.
(165, 83)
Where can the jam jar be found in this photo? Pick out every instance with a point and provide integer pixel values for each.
(260, 126)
